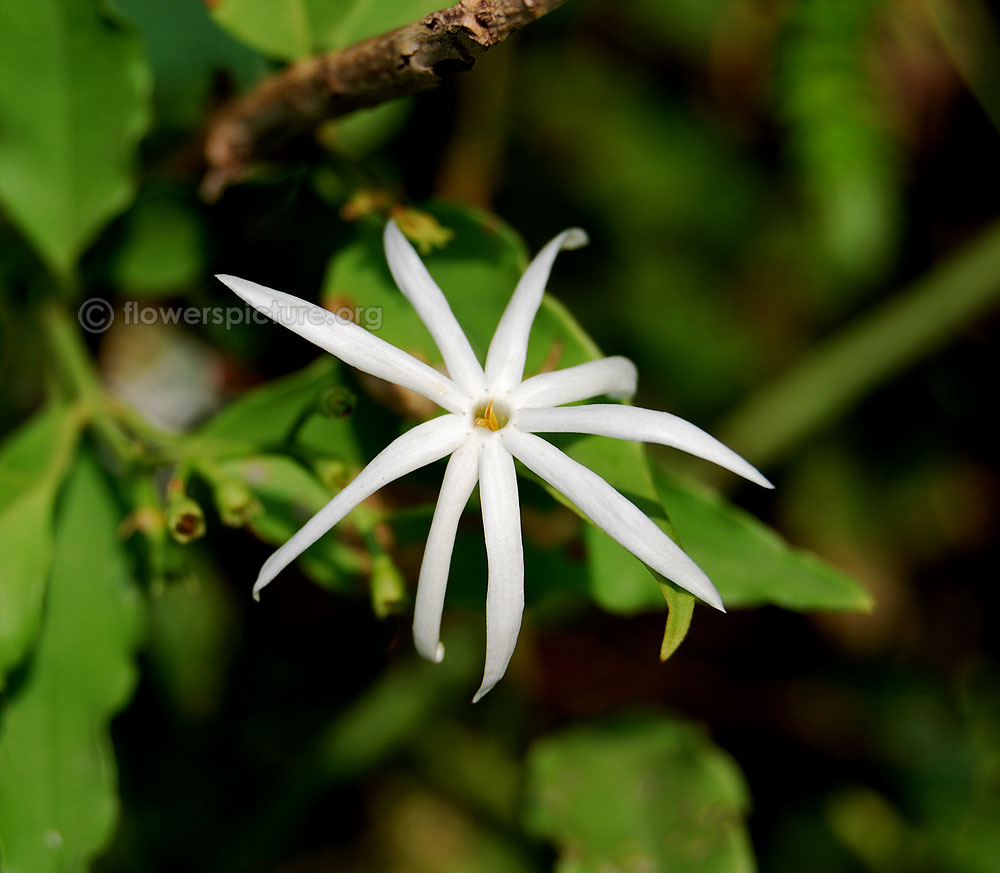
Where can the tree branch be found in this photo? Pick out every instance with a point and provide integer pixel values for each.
(408, 60)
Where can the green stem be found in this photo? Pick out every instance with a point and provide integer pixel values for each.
(74, 365)
(867, 354)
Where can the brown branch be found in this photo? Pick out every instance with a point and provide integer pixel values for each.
(413, 58)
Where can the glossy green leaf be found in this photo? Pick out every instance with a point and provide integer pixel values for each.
(748, 562)
(294, 28)
(74, 101)
(642, 794)
(32, 464)
(58, 799)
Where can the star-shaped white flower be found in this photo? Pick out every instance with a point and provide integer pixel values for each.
(493, 416)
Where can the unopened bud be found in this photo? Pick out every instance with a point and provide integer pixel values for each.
(235, 502)
(332, 472)
(387, 587)
(337, 402)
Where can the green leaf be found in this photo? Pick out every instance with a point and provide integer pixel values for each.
(74, 101)
(58, 803)
(184, 80)
(268, 415)
(748, 562)
(681, 606)
(162, 248)
(643, 794)
(32, 464)
(294, 28)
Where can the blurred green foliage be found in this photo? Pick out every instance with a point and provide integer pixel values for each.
(792, 209)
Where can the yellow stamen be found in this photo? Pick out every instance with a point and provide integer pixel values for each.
(488, 418)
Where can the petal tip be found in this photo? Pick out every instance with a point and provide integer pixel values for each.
(576, 237)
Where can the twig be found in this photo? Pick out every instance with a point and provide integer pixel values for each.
(413, 58)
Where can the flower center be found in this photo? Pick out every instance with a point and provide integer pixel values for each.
(491, 415)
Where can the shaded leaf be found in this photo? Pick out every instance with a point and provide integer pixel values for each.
(644, 794)
(290, 29)
(162, 250)
(74, 101)
(268, 415)
(58, 802)
(184, 79)
(749, 563)
(32, 464)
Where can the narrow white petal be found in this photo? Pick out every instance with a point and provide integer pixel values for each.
(424, 444)
(621, 519)
(460, 479)
(505, 556)
(615, 377)
(638, 425)
(509, 347)
(350, 342)
(427, 298)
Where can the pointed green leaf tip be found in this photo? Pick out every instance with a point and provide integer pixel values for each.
(58, 798)
(74, 101)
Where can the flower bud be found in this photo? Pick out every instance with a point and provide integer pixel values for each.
(337, 402)
(235, 502)
(387, 587)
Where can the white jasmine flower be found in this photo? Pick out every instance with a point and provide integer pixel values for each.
(493, 416)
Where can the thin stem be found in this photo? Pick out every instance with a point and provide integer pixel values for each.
(76, 369)
(867, 353)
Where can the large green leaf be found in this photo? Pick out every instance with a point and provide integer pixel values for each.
(74, 100)
(185, 80)
(32, 464)
(644, 794)
(295, 28)
(58, 801)
(749, 563)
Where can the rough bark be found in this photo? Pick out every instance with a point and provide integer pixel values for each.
(411, 59)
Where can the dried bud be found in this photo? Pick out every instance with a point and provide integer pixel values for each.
(422, 228)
